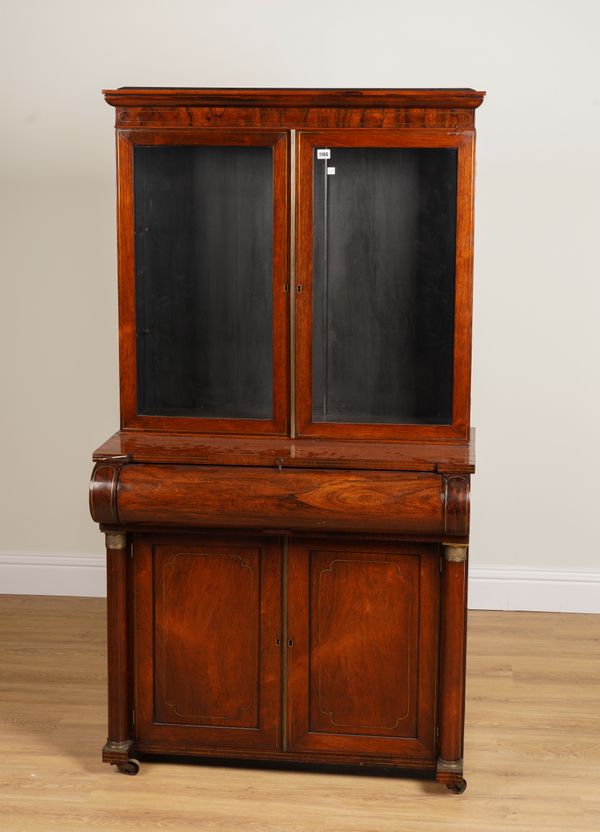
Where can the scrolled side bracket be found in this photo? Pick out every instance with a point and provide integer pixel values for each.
(103, 489)
(456, 494)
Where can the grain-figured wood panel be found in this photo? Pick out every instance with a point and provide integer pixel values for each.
(189, 495)
(208, 632)
(365, 618)
(292, 117)
(362, 622)
(206, 621)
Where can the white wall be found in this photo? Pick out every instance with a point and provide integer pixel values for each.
(537, 311)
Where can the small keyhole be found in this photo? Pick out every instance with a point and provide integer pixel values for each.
(290, 642)
(277, 641)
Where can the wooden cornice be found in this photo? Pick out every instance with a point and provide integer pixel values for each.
(264, 97)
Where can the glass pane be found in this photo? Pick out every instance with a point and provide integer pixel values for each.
(204, 260)
(383, 285)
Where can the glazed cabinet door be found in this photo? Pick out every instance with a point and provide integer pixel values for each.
(207, 642)
(203, 253)
(384, 265)
(362, 647)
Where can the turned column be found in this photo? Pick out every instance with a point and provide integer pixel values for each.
(452, 666)
(118, 700)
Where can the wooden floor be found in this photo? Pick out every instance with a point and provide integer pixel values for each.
(532, 742)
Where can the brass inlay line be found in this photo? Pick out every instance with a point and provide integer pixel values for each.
(168, 693)
(404, 577)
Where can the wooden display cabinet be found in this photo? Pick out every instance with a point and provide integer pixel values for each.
(286, 504)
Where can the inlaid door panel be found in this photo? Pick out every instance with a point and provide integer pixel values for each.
(362, 624)
(208, 634)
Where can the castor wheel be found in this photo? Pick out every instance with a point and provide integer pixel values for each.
(131, 767)
(458, 786)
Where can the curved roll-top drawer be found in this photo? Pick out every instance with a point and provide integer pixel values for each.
(192, 495)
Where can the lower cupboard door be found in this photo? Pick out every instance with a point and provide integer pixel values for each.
(362, 648)
(207, 642)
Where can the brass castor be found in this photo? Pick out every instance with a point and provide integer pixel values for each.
(131, 767)
(457, 786)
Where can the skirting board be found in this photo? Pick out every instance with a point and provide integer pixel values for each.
(537, 590)
(489, 589)
(48, 574)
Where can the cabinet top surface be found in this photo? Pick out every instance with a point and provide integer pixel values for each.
(293, 97)
(179, 448)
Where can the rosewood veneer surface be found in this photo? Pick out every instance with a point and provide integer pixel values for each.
(285, 587)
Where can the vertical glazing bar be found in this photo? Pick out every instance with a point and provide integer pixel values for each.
(292, 283)
(325, 290)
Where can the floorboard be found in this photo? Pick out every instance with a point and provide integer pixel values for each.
(532, 757)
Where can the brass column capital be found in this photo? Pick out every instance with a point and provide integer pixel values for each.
(455, 552)
(116, 540)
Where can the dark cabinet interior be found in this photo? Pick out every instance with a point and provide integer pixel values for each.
(286, 503)
(383, 284)
(204, 276)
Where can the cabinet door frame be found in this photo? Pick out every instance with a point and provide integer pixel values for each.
(153, 733)
(127, 140)
(298, 663)
(464, 142)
